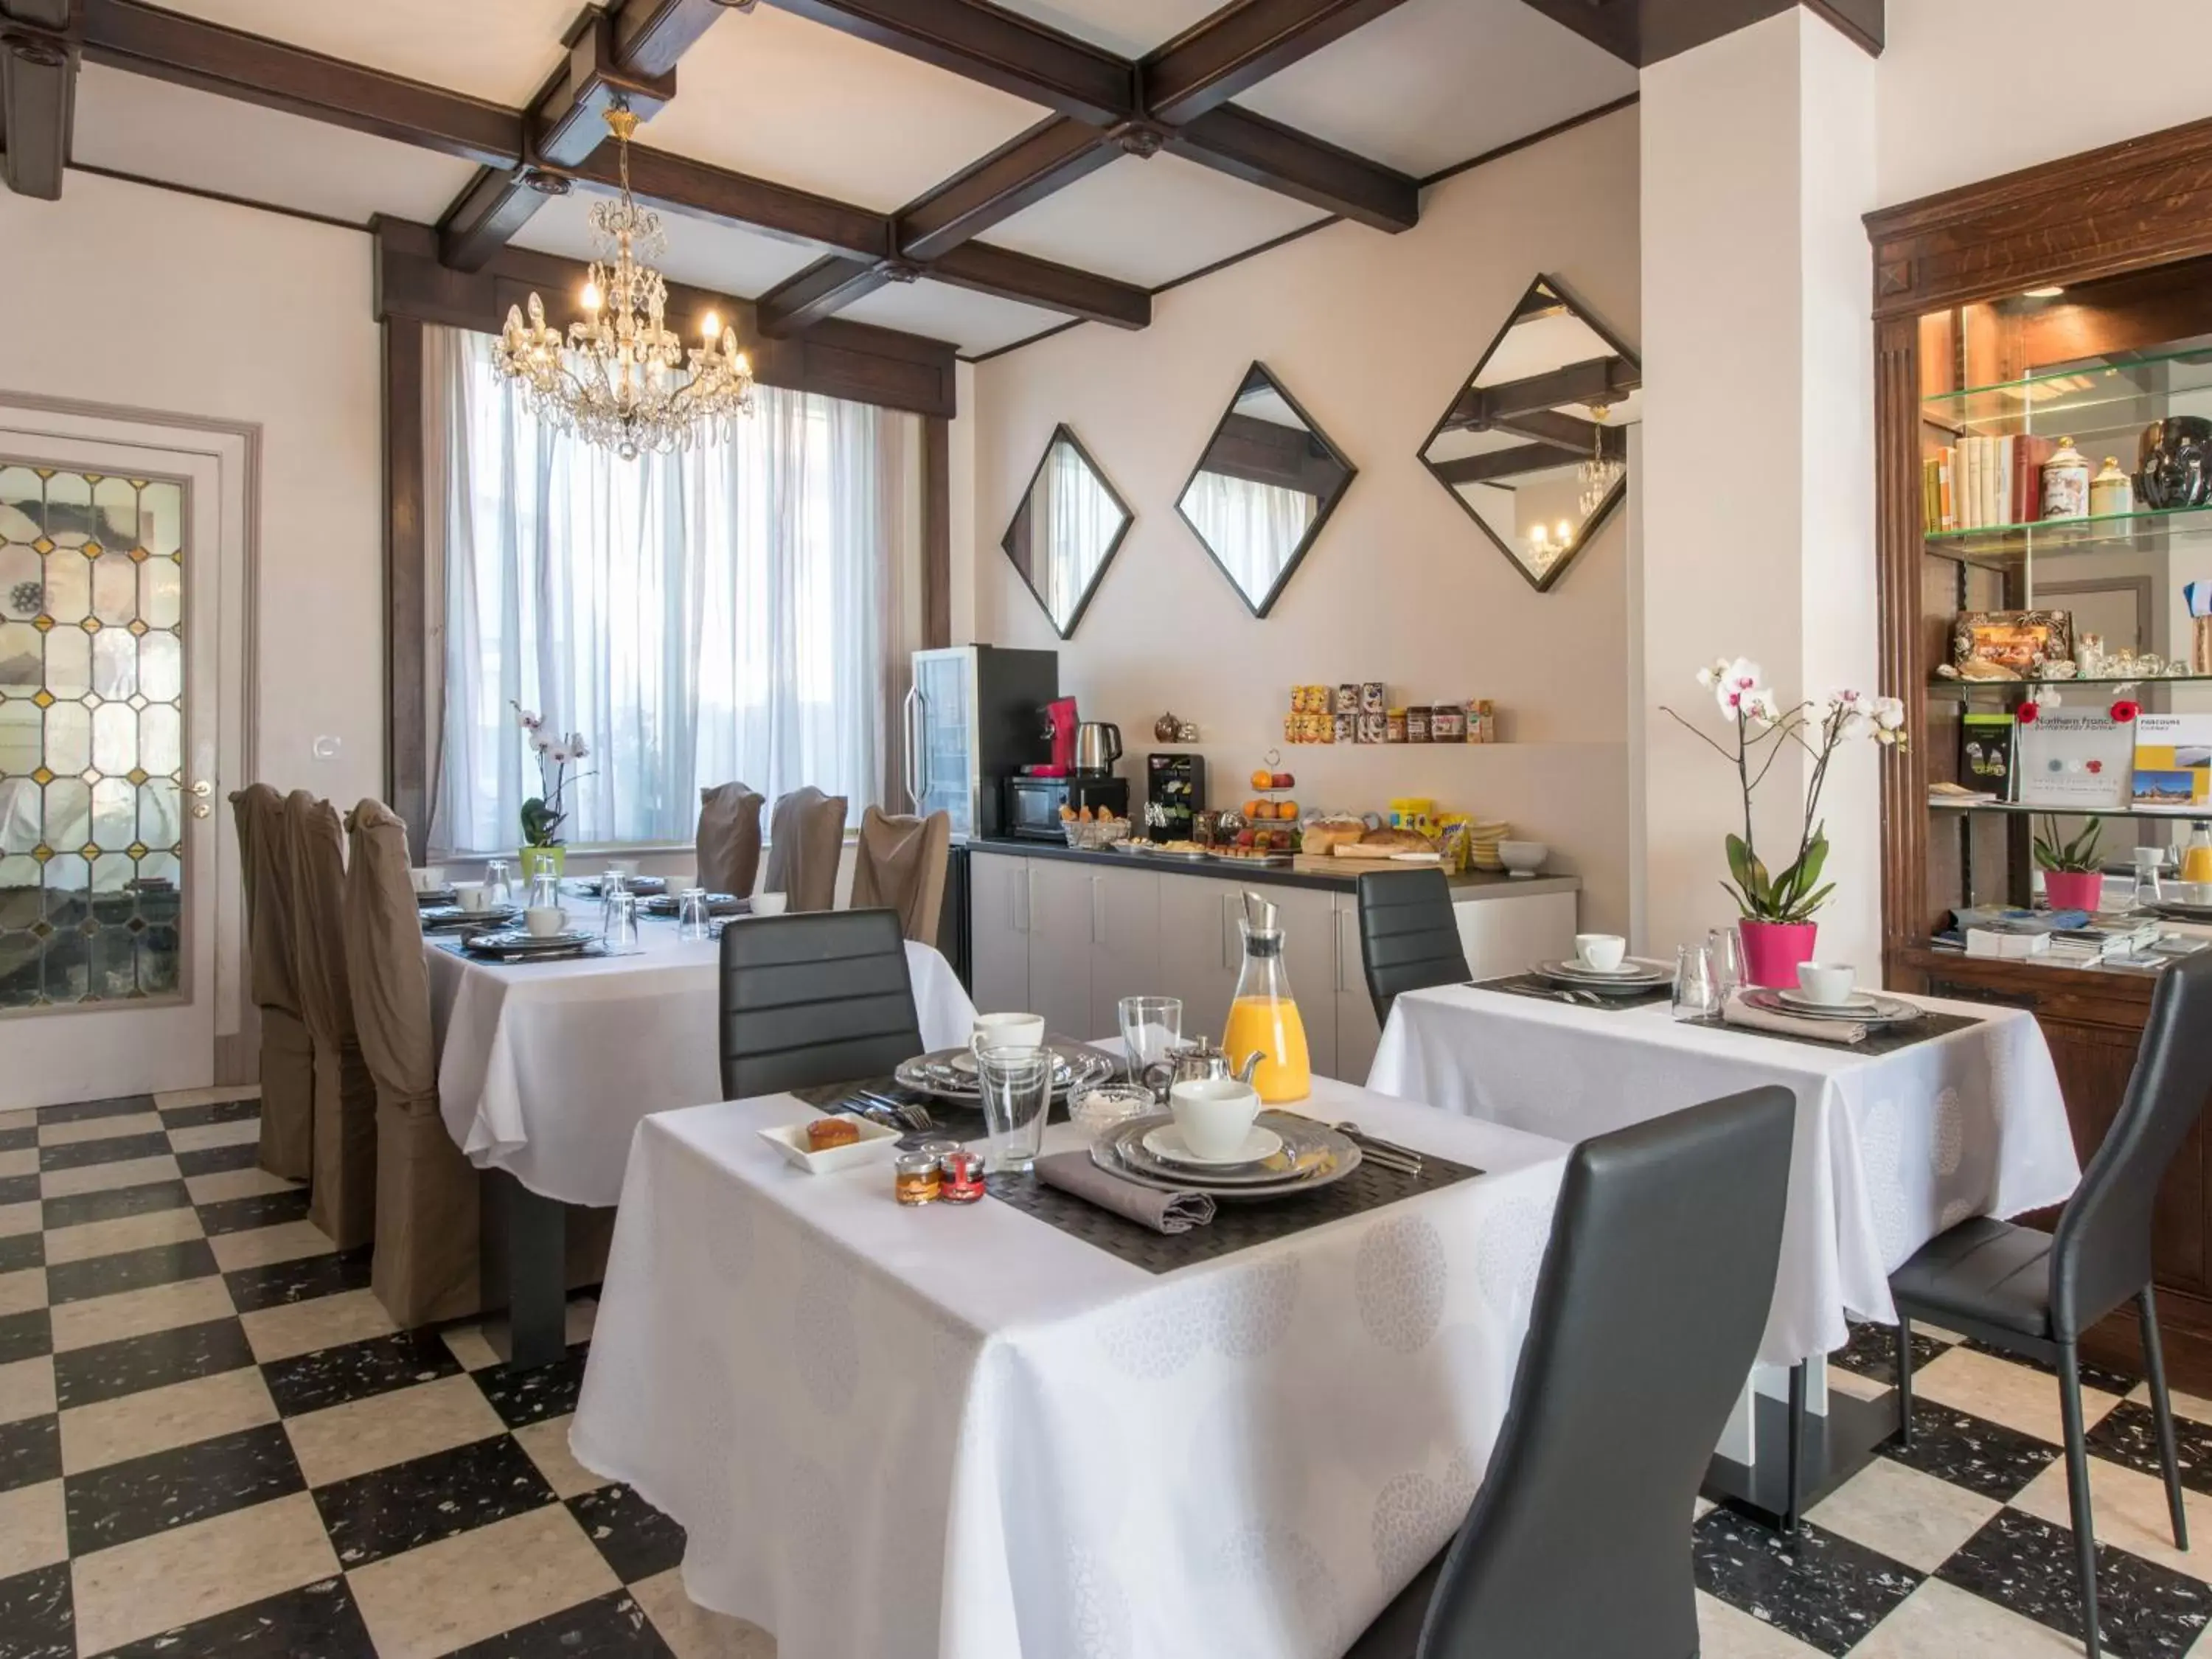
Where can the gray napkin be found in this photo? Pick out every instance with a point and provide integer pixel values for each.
(1148, 1206)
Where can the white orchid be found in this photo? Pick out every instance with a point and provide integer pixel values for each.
(530, 721)
(1739, 686)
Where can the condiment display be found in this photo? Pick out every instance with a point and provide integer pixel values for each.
(960, 1176)
(1417, 724)
(916, 1178)
(1394, 725)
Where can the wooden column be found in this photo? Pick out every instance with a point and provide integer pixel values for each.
(406, 596)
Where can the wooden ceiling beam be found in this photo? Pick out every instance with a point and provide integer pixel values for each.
(1234, 140)
(818, 293)
(1011, 275)
(1049, 157)
(1497, 465)
(1240, 47)
(1645, 32)
(650, 35)
(37, 95)
(1595, 380)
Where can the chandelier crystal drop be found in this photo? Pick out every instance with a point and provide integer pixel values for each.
(619, 380)
(1598, 475)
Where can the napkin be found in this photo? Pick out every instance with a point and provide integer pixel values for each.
(1148, 1206)
(1740, 1013)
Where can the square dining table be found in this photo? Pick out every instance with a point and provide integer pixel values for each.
(965, 1432)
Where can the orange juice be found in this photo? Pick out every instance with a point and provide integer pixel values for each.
(1271, 1025)
(2196, 864)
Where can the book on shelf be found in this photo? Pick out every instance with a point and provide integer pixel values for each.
(2000, 940)
(1981, 482)
(1985, 754)
(2172, 765)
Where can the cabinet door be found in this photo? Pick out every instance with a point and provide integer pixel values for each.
(999, 945)
(1198, 950)
(1061, 945)
(1358, 1032)
(1125, 959)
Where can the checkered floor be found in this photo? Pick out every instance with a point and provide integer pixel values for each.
(213, 1442)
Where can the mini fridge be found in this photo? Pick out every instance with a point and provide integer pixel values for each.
(973, 716)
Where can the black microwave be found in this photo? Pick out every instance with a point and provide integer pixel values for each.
(1033, 804)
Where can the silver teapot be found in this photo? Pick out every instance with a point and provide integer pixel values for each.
(1190, 1062)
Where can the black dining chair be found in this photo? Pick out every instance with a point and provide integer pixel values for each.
(2035, 1293)
(1408, 935)
(1654, 1292)
(808, 999)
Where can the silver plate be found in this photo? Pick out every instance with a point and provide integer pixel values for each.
(1076, 1066)
(718, 904)
(426, 897)
(1651, 977)
(474, 948)
(1319, 1153)
(1887, 1011)
(2175, 910)
(516, 943)
(643, 886)
(440, 918)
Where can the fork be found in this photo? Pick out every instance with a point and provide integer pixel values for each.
(915, 1116)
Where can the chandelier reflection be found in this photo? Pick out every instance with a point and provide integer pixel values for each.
(1598, 475)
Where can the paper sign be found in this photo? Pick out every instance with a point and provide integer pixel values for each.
(2174, 763)
(2078, 762)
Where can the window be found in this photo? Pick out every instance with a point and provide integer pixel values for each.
(743, 611)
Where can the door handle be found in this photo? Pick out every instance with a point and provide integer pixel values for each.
(1021, 879)
(1336, 945)
(203, 787)
(1097, 911)
(914, 751)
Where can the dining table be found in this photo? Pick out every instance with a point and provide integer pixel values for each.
(1007, 1429)
(1956, 1114)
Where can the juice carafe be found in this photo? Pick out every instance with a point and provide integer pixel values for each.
(2196, 856)
(1263, 1018)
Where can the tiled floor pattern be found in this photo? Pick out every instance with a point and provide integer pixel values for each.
(213, 1442)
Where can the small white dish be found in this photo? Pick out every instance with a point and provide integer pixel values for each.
(1858, 1003)
(1094, 1111)
(877, 1141)
(1166, 1144)
(1523, 858)
(769, 904)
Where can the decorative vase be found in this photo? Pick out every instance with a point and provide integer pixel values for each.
(2075, 890)
(1774, 951)
(552, 860)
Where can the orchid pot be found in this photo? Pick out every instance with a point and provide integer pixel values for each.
(551, 860)
(2073, 871)
(1774, 951)
(544, 813)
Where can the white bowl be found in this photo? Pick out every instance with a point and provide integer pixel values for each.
(1523, 858)
(877, 1141)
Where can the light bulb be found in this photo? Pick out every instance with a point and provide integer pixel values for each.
(1565, 534)
(711, 327)
(591, 296)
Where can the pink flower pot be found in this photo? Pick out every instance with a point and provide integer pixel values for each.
(1774, 951)
(2074, 889)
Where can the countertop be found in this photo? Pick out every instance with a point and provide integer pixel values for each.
(1335, 875)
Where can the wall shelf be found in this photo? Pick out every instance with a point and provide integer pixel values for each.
(2006, 546)
(2085, 397)
(2014, 809)
(1941, 686)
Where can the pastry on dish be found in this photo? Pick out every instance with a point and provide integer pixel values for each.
(827, 1132)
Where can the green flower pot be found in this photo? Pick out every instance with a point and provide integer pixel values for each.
(545, 861)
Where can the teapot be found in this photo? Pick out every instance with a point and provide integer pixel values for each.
(1192, 1061)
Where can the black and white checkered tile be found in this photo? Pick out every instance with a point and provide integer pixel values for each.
(214, 1443)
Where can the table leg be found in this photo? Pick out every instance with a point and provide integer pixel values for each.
(1784, 1455)
(527, 1252)
(1796, 1488)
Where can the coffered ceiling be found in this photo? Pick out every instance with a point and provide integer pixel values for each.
(974, 172)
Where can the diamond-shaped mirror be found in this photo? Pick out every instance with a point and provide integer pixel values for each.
(1066, 530)
(1534, 447)
(1264, 487)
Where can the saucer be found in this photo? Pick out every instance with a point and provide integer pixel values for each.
(1166, 1144)
(1858, 1003)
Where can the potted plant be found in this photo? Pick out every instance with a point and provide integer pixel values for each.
(2073, 871)
(1778, 907)
(544, 813)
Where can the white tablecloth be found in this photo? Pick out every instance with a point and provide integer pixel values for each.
(961, 1432)
(1891, 1149)
(544, 1070)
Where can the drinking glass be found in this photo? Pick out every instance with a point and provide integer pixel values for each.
(545, 892)
(619, 930)
(1696, 996)
(1151, 1028)
(1725, 947)
(1017, 1089)
(499, 883)
(691, 916)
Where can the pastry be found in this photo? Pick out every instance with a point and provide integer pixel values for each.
(827, 1132)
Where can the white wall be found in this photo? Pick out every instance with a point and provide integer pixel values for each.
(124, 294)
(1374, 336)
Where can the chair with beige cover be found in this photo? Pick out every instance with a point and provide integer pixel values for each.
(341, 1190)
(729, 838)
(425, 1268)
(806, 834)
(288, 1053)
(899, 865)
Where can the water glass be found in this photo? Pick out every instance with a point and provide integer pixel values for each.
(499, 883)
(618, 932)
(2149, 859)
(691, 921)
(1017, 1089)
(545, 892)
(1725, 947)
(1151, 1030)
(1696, 993)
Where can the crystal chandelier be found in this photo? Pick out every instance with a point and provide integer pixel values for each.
(618, 380)
(1598, 475)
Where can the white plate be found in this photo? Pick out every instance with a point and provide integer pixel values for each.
(1856, 1003)
(1633, 974)
(877, 1140)
(1166, 1144)
(1887, 1010)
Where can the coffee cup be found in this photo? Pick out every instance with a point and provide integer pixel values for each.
(472, 896)
(1008, 1031)
(768, 904)
(1603, 952)
(543, 921)
(1213, 1115)
(428, 879)
(2197, 892)
(1826, 983)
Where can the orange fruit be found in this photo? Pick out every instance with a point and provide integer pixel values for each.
(1263, 779)
(1256, 808)
(1287, 810)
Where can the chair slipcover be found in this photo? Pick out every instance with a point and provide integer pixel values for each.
(899, 865)
(729, 839)
(287, 1054)
(806, 834)
(425, 1268)
(341, 1197)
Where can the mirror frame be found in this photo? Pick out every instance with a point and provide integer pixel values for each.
(1063, 431)
(1261, 607)
(1614, 497)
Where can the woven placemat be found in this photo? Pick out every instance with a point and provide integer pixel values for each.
(1236, 1225)
(1527, 985)
(1882, 1040)
(953, 1122)
(453, 945)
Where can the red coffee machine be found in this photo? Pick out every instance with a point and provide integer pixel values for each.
(1060, 726)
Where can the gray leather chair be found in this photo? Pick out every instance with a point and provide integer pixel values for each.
(2035, 1293)
(815, 998)
(1654, 1292)
(1408, 935)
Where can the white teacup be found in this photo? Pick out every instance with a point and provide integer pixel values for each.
(626, 868)
(472, 896)
(1826, 983)
(1602, 951)
(1008, 1030)
(543, 921)
(768, 904)
(1214, 1113)
(428, 879)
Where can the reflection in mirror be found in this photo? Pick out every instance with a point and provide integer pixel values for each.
(1066, 530)
(1536, 445)
(1268, 482)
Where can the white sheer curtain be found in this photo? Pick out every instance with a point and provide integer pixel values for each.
(742, 610)
(1079, 521)
(1252, 528)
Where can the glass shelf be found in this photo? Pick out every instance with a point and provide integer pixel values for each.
(2011, 544)
(2005, 808)
(2084, 398)
(1942, 686)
